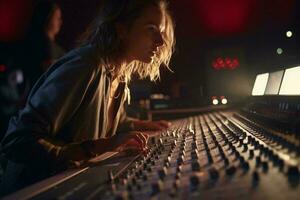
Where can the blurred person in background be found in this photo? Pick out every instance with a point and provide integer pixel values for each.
(39, 48)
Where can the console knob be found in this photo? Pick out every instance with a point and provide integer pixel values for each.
(230, 171)
(162, 173)
(245, 147)
(255, 178)
(195, 166)
(194, 181)
(251, 154)
(257, 161)
(265, 166)
(213, 173)
(293, 171)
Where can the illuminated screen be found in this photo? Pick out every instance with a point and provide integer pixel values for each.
(291, 82)
(260, 84)
(274, 81)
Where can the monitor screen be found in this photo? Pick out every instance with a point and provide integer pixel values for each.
(260, 84)
(291, 82)
(274, 81)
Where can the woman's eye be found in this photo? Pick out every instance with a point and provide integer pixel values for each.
(152, 28)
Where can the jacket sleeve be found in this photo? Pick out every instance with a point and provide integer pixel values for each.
(52, 103)
(126, 123)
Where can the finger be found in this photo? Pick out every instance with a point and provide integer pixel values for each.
(146, 136)
(138, 139)
(142, 139)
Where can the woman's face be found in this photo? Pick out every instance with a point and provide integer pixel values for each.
(144, 36)
(55, 22)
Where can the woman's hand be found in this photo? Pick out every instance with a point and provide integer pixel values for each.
(134, 140)
(77, 154)
(142, 125)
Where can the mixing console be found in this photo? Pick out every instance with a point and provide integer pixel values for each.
(217, 155)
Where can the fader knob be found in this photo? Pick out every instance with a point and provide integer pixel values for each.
(249, 139)
(280, 164)
(293, 171)
(209, 158)
(257, 161)
(194, 155)
(245, 166)
(230, 171)
(195, 166)
(251, 154)
(213, 173)
(245, 147)
(179, 168)
(241, 142)
(255, 178)
(162, 173)
(241, 159)
(265, 166)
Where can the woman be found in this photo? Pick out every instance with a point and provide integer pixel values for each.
(52, 29)
(75, 110)
(39, 48)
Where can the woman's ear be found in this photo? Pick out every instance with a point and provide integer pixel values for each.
(121, 30)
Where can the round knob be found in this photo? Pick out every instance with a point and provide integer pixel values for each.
(257, 161)
(293, 171)
(251, 154)
(162, 173)
(230, 171)
(194, 155)
(213, 174)
(209, 158)
(245, 147)
(180, 160)
(179, 168)
(265, 166)
(255, 178)
(245, 166)
(195, 166)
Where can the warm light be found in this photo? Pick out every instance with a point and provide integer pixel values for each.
(274, 81)
(279, 51)
(225, 63)
(224, 101)
(289, 34)
(215, 101)
(291, 81)
(260, 84)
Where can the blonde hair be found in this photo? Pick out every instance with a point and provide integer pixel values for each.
(162, 58)
(103, 35)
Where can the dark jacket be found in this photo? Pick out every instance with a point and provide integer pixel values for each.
(67, 105)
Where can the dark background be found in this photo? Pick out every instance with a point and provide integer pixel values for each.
(247, 30)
